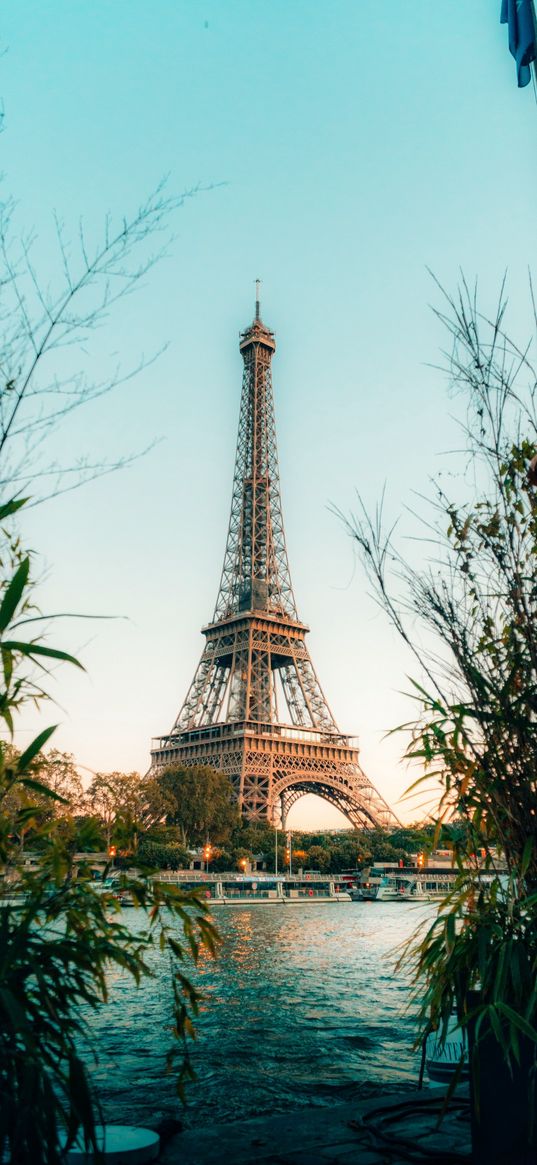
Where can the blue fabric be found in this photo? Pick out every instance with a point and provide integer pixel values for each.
(519, 17)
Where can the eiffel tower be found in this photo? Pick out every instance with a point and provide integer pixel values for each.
(255, 708)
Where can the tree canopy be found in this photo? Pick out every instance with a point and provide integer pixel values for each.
(197, 799)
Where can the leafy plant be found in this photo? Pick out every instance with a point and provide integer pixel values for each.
(478, 959)
(58, 936)
(469, 617)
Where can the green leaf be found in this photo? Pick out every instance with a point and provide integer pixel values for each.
(31, 649)
(12, 507)
(25, 815)
(34, 748)
(44, 789)
(14, 594)
(517, 1021)
(14, 1009)
(81, 1103)
(526, 856)
(495, 1024)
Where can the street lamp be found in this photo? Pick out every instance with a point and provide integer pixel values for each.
(207, 851)
(290, 851)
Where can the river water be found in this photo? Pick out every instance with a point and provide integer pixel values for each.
(302, 1006)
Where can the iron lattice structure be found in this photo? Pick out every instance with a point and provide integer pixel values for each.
(255, 708)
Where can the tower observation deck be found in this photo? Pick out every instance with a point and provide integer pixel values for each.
(255, 708)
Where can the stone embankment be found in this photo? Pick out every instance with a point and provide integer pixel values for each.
(391, 1130)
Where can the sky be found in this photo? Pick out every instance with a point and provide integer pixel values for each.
(341, 148)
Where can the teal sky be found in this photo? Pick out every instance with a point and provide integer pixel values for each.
(357, 142)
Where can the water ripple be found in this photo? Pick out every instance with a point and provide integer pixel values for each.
(300, 1007)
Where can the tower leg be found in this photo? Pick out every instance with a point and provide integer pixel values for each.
(283, 814)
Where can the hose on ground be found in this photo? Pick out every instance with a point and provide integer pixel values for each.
(376, 1124)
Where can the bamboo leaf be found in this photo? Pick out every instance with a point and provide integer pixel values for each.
(11, 507)
(81, 1104)
(527, 854)
(14, 594)
(517, 1020)
(43, 789)
(28, 755)
(495, 1023)
(30, 649)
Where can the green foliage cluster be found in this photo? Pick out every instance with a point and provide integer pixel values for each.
(326, 852)
(478, 959)
(162, 855)
(197, 800)
(474, 735)
(58, 936)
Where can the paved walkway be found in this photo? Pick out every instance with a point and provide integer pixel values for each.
(392, 1130)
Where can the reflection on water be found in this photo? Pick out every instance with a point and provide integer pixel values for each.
(301, 1006)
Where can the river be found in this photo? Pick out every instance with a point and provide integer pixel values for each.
(301, 1007)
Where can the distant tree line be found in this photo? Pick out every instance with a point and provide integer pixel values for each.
(159, 821)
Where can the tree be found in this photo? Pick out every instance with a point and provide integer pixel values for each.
(199, 800)
(411, 838)
(161, 855)
(119, 802)
(46, 321)
(57, 770)
(319, 858)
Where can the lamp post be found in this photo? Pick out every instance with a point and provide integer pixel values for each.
(207, 855)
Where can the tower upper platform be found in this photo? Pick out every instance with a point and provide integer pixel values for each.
(257, 333)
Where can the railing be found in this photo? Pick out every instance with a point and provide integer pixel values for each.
(262, 878)
(227, 731)
(240, 892)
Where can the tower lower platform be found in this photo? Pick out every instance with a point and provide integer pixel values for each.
(272, 765)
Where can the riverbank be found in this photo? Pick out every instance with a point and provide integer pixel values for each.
(367, 1132)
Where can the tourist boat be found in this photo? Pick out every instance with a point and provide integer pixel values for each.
(384, 882)
(112, 886)
(391, 883)
(104, 885)
(298, 892)
(385, 888)
(261, 889)
(288, 892)
(248, 890)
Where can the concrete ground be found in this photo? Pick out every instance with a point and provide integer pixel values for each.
(389, 1130)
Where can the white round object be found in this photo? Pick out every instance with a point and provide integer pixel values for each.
(119, 1144)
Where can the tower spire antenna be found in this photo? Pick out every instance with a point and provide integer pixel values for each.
(257, 286)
